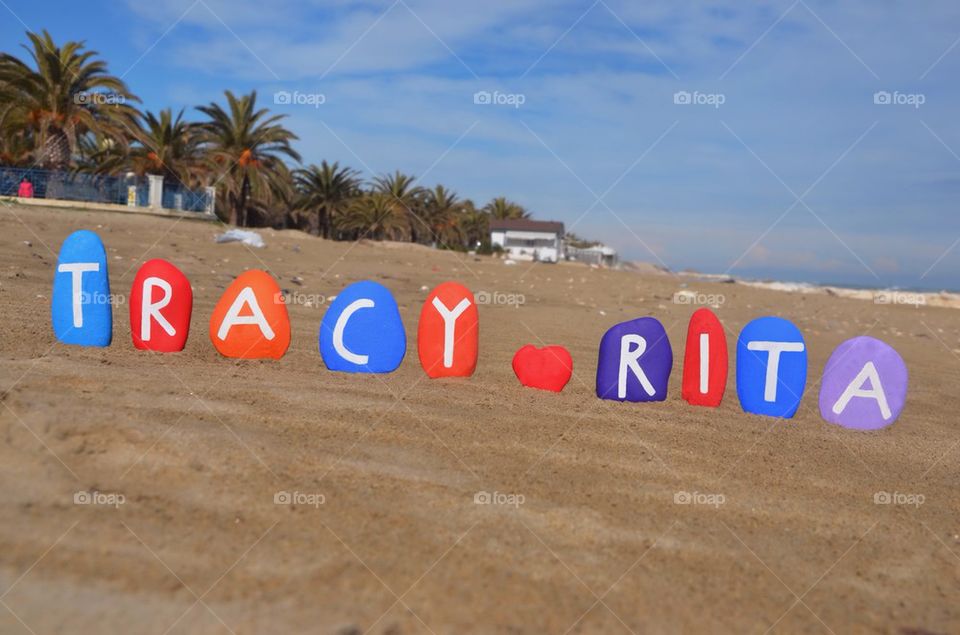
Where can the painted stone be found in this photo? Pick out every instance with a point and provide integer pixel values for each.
(547, 368)
(635, 361)
(705, 360)
(771, 367)
(161, 302)
(81, 309)
(864, 385)
(250, 320)
(362, 331)
(448, 333)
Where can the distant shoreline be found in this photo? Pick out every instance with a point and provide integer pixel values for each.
(878, 295)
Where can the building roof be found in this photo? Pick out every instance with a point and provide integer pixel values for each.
(527, 225)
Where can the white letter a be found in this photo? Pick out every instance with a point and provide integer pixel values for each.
(855, 389)
(233, 317)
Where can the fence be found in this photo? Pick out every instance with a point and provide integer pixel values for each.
(130, 190)
(180, 198)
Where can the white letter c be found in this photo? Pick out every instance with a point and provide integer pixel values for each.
(341, 325)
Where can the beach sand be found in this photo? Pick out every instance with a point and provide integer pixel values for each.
(198, 446)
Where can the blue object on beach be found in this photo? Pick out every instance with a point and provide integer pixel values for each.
(362, 331)
(81, 308)
(635, 361)
(771, 367)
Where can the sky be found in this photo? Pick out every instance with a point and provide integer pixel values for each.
(807, 140)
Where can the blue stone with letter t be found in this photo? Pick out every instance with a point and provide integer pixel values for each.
(362, 331)
(81, 310)
(771, 367)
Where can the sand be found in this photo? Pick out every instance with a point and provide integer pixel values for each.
(386, 536)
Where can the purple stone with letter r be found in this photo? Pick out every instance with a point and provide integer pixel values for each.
(635, 361)
(864, 385)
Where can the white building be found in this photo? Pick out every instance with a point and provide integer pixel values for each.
(596, 255)
(524, 239)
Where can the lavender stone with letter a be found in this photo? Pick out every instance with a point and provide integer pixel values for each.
(635, 361)
(864, 385)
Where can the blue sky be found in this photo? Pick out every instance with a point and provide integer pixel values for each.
(784, 166)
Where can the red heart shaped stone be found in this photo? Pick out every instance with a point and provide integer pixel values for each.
(547, 368)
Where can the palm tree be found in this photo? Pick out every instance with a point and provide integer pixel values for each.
(65, 95)
(100, 156)
(15, 148)
(474, 225)
(573, 240)
(500, 209)
(441, 213)
(245, 147)
(168, 146)
(406, 198)
(375, 215)
(327, 189)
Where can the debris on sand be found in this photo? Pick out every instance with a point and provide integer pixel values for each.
(249, 238)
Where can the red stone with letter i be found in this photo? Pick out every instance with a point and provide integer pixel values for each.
(705, 360)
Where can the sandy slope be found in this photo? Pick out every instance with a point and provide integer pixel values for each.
(199, 445)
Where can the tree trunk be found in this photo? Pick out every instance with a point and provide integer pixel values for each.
(55, 151)
(234, 206)
(244, 196)
(412, 219)
(322, 221)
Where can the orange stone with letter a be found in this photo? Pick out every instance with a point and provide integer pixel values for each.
(250, 321)
(449, 332)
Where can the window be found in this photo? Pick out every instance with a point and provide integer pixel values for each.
(529, 242)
